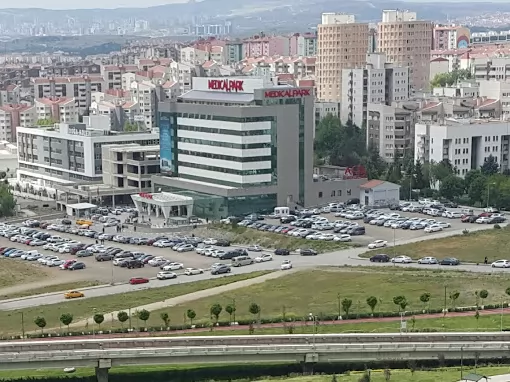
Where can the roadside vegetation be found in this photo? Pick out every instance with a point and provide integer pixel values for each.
(14, 272)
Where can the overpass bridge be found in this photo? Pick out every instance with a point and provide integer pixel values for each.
(304, 349)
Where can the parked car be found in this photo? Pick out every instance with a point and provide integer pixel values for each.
(449, 261)
(377, 244)
(380, 258)
(73, 294)
(308, 252)
(501, 264)
(193, 271)
(282, 252)
(427, 260)
(402, 259)
(224, 268)
(138, 280)
(264, 258)
(76, 266)
(166, 275)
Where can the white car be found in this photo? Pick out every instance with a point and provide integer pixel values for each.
(55, 262)
(154, 262)
(286, 264)
(210, 241)
(173, 266)
(378, 244)
(444, 224)
(44, 260)
(201, 250)
(327, 236)
(209, 252)
(166, 275)
(193, 271)
(501, 264)
(218, 253)
(163, 244)
(264, 258)
(483, 220)
(255, 248)
(433, 228)
(343, 237)
(428, 260)
(402, 259)
(185, 248)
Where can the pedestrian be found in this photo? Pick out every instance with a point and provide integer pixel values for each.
(103, 229)
(486, 260)
(97, 242)
(102, 241)
(134, 228)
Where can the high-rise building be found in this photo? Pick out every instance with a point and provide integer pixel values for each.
(341, 44)
(407, 42)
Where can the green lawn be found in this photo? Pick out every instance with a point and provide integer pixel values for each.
(248, 236)
(10, 321)
(52, 289)
(293, 295)
(493, 243)
(14, 272)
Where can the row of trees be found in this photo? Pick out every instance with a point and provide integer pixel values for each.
(450, 78)
(215, 310)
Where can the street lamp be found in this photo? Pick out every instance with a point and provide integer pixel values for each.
(22, 325)
(489, 192)
(501, 315)
(313, 318)
(94, 322)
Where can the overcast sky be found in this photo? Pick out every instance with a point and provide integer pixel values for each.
(75, 4)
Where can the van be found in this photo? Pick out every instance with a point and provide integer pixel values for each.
(467, 211)
(281, 211)
(239, 261)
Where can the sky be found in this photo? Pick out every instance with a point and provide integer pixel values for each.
(75, 4)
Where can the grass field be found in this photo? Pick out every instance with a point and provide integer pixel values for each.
(318, 292)
(443, 375)
(52, 289)
(10, 321)
(473, 247)
(14, 272)
(248, 236)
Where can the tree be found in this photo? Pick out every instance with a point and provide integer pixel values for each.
(45, 122)
(254, 309)
(490, 166)
(346, 306)
(122, 317)
(419, 178)
(372, 303)
(66, 319)
(477, 187)
(441, 80)
(165, 318)
(507, 291)
(453, 297)
(483, 295)
(374, 164)
(128, 126)
(98, 319)
(365, 377)
(401, 302)
(190, 313)
(439, 171)
(425, 299)
(40, 322)
(387, 375)
(143, 315)
(215, 311)
(231, 310)
(334, 378)
(451, 187)
(7, 201)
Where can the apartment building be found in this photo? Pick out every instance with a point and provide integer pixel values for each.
(378, 82)
(259, 46)
(341, 44)
(70, 153)
(144, 95)
(182, 73)
(496, 90)
(131, 165)
(466, 143)
(390, 129)
(303, 44)
(491, 68)
(491, 37)
(465, 89)
(10, 94)
(407, 42)
(446, 37)
(12, 116)
(62, 110)
(119, 111)
(78, 87)
(233, 52)
(112, 75)
(194, 56)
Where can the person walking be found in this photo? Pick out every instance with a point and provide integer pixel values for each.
(486, 260)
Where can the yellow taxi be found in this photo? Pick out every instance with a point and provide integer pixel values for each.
(84, 222)
(74, 294)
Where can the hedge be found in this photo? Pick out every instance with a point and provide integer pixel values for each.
(273, 320)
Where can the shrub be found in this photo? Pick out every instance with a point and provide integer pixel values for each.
(497, 226)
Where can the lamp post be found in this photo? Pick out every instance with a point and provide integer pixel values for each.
(22, 325)
(111, 265)
(313, 318)
(501, 315)
(94, 322)
(234, 305)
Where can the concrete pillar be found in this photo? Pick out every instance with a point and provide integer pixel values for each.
(102, 374)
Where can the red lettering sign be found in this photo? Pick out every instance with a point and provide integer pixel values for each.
(226, 85)
(288, 93)
(145, 195)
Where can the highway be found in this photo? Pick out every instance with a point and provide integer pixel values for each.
(348, 257)
(306, 349)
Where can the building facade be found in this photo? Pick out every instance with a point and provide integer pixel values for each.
(241, 145)
(69, 153)
(446, 37)
(341, 44)
(407, 42)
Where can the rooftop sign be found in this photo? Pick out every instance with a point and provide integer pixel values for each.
(288, 93)
(226, 85)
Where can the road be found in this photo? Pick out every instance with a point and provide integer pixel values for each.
(348, 257)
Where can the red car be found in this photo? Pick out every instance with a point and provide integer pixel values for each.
(138, 280)
(68, 263)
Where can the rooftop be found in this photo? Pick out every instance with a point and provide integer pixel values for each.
(132, 147)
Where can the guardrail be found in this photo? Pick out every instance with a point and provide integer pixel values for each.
(311, 353)
(45, 345)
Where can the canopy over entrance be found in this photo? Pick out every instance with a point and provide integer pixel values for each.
(163, 203)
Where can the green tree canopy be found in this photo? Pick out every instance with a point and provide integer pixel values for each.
(448, 79)
(7, 201)
(490, 166)
(451, 187)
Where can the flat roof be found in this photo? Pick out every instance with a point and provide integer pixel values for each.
(203, 95)
(199, 182)
(132, 147)
(82, 206)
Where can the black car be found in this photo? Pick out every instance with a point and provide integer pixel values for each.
(352, 201)
(448, 204)
(358, 230)
(449, 261)
(223, 243)
(77, 266)
(380, 258)
(234, 253)
(104, 257)
(497, 220)
(287, 219)
(282, 252)
(131, 264)
(224, 268)
(308, 252)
